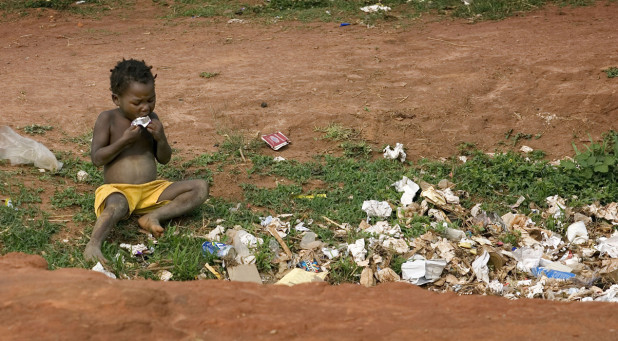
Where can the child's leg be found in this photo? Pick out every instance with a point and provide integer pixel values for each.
(184, 196)
(116, 207)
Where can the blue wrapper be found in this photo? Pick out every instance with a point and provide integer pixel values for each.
(215, 248)
(539, 271)
(310, 266)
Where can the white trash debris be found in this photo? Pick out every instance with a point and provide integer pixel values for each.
(479, 266)
(99, 268)
(137, 249)
(82, 176)
(409, 189)
(419, 271)
(22, 150)
(375, 8)
(358, 252)
(375, 208)
(214, 235)
(577, 233)
(396, 153)
(525, 149)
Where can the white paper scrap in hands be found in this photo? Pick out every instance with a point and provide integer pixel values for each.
(141, 121)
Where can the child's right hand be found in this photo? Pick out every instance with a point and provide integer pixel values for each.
(131, 134)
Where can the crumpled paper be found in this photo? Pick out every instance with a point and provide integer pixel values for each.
(358, 252)
(396, 153)
(409, 189)
(375, 208)
(577, 233)
(420, 271)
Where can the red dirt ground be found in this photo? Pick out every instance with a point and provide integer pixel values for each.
(430, 85)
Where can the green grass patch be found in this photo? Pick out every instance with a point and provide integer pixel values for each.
(611, 72)
(344, 183)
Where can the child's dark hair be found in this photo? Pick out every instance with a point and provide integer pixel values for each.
(128, 71)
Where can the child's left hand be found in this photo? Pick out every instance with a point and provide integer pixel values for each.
(155, 127)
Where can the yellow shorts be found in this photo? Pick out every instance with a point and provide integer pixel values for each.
(142, 198)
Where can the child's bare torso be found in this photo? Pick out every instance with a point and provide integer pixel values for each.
(136, 164)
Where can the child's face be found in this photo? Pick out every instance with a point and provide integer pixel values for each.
(138, 100)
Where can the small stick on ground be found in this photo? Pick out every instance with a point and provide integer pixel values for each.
(332, 222)
(213, 271)
(274, 233)
(242, 155)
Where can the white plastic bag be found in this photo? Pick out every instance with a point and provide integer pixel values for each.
(23, 150)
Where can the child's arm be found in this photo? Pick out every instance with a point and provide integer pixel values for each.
(101, 151)
(163, 151)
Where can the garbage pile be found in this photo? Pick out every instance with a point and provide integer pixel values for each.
(506, 255)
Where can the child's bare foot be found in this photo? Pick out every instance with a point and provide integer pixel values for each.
(151, 225)
(93, 253)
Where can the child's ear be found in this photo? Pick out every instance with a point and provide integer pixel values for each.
(115, 99)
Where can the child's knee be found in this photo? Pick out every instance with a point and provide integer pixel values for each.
(117, 206)
(202, 189)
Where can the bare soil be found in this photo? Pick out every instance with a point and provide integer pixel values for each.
(431, 84)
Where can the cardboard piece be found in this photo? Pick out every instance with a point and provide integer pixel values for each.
(298, 276)
(244, 273)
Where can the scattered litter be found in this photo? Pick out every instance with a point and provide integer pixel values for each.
(213, 271)
(525, 149)
(236, 21)
(99, 268)
(375, 208)
(409, 189)
(309, 242)
(165, 275)
(276, 140)
(298, 276)
(7, 202)
(344, 24)
(82, 176)
(311, 266)
(244, 273)
(358, 252)
(479, 266)
(278, 158)
(137, 249)
(330, 252)
(215, 234)
(608, 246)
(22, 150)
(419, 271)
(396, 153)
(540, 271)
(577, 233)
(375, 8)
(219, 249)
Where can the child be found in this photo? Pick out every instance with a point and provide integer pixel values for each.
(129, 154)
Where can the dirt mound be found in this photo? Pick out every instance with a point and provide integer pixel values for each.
(81, 304)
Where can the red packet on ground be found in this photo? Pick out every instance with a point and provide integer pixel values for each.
(276, 140)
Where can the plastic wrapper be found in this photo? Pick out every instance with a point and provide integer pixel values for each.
(22, 150)
(577, 233)
(219, 249)
(143, 121)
